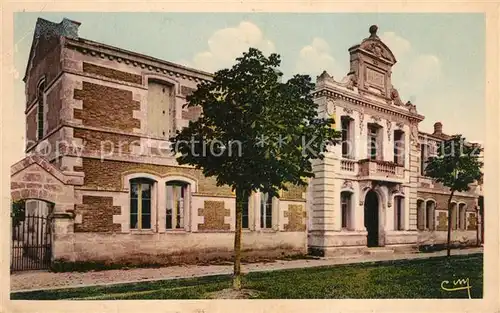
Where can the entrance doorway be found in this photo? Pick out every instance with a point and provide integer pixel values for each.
(371, 218)
(31, 238)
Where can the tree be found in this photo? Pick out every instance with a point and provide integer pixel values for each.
(255, 133)
(18, 212)
(456, 166)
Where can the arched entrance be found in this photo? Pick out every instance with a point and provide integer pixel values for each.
(372, 218)
(43, 203)
(31, 242)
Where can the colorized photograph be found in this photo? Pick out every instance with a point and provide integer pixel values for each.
(247, 156)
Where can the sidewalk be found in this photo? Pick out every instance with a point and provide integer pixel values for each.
(38, 280)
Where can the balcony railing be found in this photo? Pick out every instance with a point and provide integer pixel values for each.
(347, 165)
(380, 169)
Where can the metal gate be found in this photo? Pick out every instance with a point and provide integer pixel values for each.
(31, 246)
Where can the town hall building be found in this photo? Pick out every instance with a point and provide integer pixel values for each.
(98, 120)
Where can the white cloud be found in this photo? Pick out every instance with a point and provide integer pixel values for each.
(399, 45)
(226, 44)
(414, 72)
(315, 58)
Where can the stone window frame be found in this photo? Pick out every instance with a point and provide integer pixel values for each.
(158, 200)
(167, 81)
(178, 213)
(462, 216)
(351, 153)
(153, 201)
(399, 160)
(266, 209)
(421, 216)
(257, 210)
(454, 215)
(40, 108)
(191, 188)
(424, 156)
(350, 211)
(379, 142)
(402, 215)
(432, 218)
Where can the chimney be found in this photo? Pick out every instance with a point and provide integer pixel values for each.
(438, 128)
(66, 27)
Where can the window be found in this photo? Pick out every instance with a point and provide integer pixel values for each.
(454, 216)
(399, 213)
(422, 159)
(461, 216)
(429, 215)
(347, 142)
(176, 204)
(160, 108)
(399, 147)
(374, 142)
(244, 217)
(266, 211)
(420, 215)
(425, 153)
(244, 213)
(40, 109)
(346, 209)
(140, 203)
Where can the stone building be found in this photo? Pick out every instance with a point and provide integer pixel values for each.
(98, 121)
(371, 191)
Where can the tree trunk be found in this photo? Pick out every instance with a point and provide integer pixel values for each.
(240, 195)
(448, 245)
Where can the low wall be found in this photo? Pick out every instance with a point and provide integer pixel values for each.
(180, 247)
(462, 237)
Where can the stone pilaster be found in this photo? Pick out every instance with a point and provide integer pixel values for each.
(412, 192)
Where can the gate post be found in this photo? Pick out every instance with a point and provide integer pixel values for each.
(62, 237)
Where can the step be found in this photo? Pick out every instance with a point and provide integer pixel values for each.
(377, 251)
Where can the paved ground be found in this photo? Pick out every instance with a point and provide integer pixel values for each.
(46, 280)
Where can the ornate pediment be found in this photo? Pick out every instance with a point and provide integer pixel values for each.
(324, 77)
(376, 47)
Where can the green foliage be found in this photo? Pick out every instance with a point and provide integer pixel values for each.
(255, 132)
(457, 164)
(18, 212)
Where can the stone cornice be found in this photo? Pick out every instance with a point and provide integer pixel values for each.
(447, 193)
(365, 103)
(100, 50)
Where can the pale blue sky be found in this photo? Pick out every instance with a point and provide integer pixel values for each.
(440, 57)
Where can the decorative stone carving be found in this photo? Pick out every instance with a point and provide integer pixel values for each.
(330, 107)
(348, 111)
(352, 82)
(376, 118)
(363, 187)
(397, 189)
(325, 77)
(400, 125)
(411, 107)
(389, 127)
(414, 134)
(347, 185)
(395, 97)
(361, 119)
